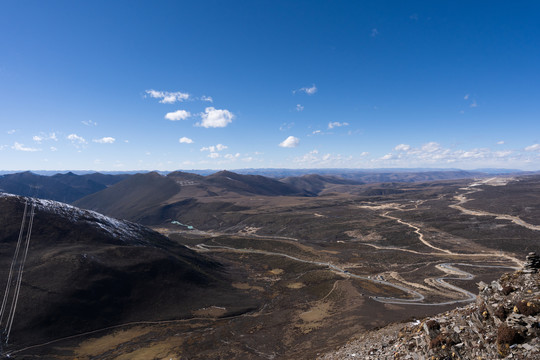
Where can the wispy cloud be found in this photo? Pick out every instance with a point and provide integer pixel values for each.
(207, 98)
(500, 142)
(11, 132)
(402, 147)
(473, 104)
(20, 147)
(299, 107)
(44, 137)
(466, 97)
(374, 32)
(105, 140)
(286, 126)
(215, 148)
(308, 90)
(168, 97)
(534, 147)
(290, 142)
(215, 118)
(335, 124)
(89, 123)
(185, 140)
(178, 115)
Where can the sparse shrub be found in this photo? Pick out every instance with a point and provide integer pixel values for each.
(501, 312)
(528, 308)
(508, 289)
(507, 336)
(440, 340)
(433, 325)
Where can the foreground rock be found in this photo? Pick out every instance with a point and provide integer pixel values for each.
(503, 323)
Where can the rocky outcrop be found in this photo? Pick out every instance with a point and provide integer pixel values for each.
(504, 322)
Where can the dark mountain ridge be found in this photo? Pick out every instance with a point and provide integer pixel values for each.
(86, 271)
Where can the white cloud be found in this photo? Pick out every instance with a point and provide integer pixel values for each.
(534, 147)
(178, 115)
(76, 139)
(214, 118)
(20, 147)
(105, 140)
(11, 132)
(207, 98)
(402, 147)
(299, 107)
(44, 137)
(213, 155)
(316, 132)
(89, 123)
(212, 149)
(168, 97)
(374, 32)
(308, 90)
(52, 148)
(185, 140)
(290, 142)
(474, 104)
(232, 157)
(431, 147)
(387, 157)
(334, 124)
(466, 97)
(500, 142)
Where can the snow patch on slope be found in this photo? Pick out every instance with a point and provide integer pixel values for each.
(123, 230)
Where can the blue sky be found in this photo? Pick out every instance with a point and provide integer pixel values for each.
(133, 85)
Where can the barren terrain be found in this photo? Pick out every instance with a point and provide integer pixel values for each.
(326, 268)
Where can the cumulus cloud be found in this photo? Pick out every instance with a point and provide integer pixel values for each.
(178, 115)
(168, 97)
(216, 148)
(76, 139)
(534, 147)
(20, 147)
(105, 140)
(299, 107)
(402, 147)
(334, 124)
(290, 142)
(308, 90)
(207, 98)
(185, 140)
(215, 118)
(213, 155)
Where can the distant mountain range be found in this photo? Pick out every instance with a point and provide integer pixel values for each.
(71, 186)
(61, 187)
